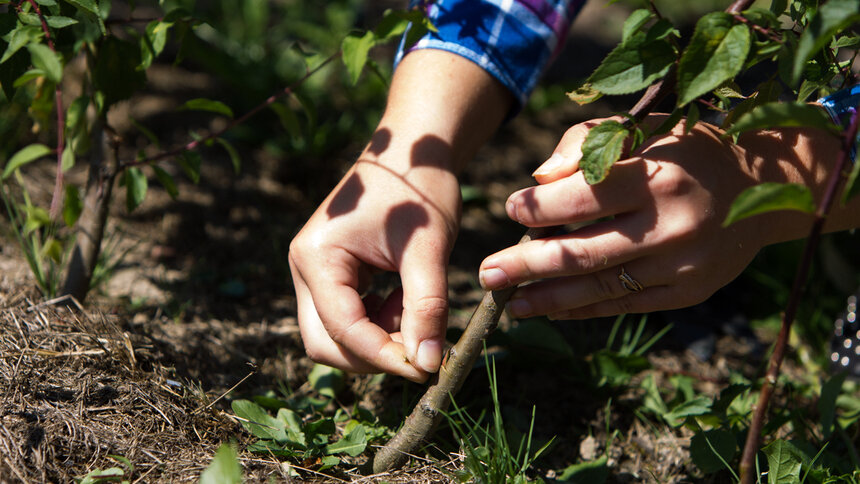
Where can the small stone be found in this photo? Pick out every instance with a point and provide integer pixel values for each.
(588, 448)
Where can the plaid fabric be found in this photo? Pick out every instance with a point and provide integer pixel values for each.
(842, 106)
(513, 40)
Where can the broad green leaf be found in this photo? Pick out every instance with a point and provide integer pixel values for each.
(72, 206)
(190, 162)
(76, 113)
(166, 181)
(614, 369)
(831, 17)
(328, 462)
(601, 149)
(777, 7)
(18, 39)
(633, 65)
(690, 408)
(257, 420)
(635, 21)
(224, 468)
(716, 53)
(326, 380)
(827, 402)
(845, 41)
(591, 472)
(785, 115)
(351, 444)
(37, 218)
(293, 427)
(670, 122)
(67, 161)
(768, 197)
(27, 77)
(584, 94)
(47, 61)
(692, 118)
(25, 155)
(98, 476)
(210, 105)
(234, 155)
(710, 458)
(354, 53)
(58, 21)
(135, 188)
(152, 41)
(727, 396)
(88, 5)
(783, 461)
(392, 25)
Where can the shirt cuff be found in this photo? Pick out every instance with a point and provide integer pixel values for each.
(842, 107)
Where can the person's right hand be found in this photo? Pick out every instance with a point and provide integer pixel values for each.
(379, 218)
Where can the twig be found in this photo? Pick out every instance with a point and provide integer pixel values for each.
(213, 402)
(56, 300)
(833, 183)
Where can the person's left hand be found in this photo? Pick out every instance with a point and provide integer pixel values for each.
(658, 242)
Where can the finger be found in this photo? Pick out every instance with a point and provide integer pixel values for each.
(554, 296)
(565, 158)
(343, 315)
(572, 199)
(425, 311)
(588, 249)
(390, 312)
(656, 298)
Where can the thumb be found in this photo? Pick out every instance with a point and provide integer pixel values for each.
(565, 158)
(425, 311)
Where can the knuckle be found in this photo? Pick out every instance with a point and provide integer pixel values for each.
(432, 307)
(606, 286)
(623, 305)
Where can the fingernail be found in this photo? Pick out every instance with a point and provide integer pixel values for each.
(550, 165)
(430, 355)
(519, 307)
(494, 278)
(511, 209)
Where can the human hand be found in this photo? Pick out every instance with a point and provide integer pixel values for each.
(665, 207)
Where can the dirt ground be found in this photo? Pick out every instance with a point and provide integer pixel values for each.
(199, 310)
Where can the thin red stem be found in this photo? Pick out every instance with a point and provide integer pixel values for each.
(56, 198)
(237, 121)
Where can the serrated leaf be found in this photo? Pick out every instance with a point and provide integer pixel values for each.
(234, 155)
(785, 115)
(26, 155)
(166, 181)
(584, 94)
(258, 421)
(201, 104)
(769, 197)
(190, 162)
(224, 468)
(354, 50)
(635, 21)
(633, 65)
(72, 206)
(59, 22)
(351, 444)
(87, 5)
(135, 187)
(783, 461)
(47, 61)
(601, 149)
(710, 458)
(716, 53)
(831, 17)
(18, 38)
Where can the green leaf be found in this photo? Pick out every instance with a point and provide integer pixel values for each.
(692, 118)
(116, 74)
(152, 41)
(716, 53)
(37, 218)
(67, 161)
(47, 61)
(601, 149)
(25, 155)
(257, 420)
(691, 408)
(584, 94)
(210, 105)
(18, 39)
(190, 162)
(768, 197)
(351, 444)
(135, 187)
(710, 458)
(326, 380)
(166, 181)
(633, 65)
(328, 462)
(590, 472)
(832, 17)
(224, 468)
(58, 22)
(87, 5)
(827, 402)
(783, 461)
(234, 155)
(98, 476)
(354, 52)
(76, 113)
(667, 125)
(635, 21)
(72, 206)
(783, 114)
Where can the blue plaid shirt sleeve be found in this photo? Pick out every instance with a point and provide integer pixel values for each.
(513, 40)
(842, 107)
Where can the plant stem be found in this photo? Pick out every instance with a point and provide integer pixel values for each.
(451, 376)
(753, 440)
(57, 197)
